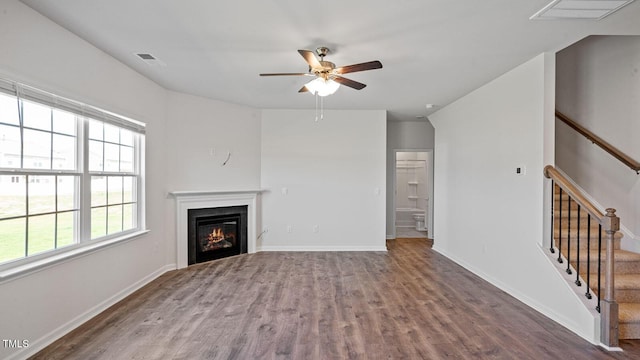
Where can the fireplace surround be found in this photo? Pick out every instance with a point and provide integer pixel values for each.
(186, 200)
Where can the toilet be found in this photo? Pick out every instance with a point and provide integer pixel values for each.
(420, 221)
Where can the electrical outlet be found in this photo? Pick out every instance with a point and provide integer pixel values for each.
(289, 228)
(316, 228)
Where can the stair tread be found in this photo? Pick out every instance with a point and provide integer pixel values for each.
(629, 312)
(622, 281)
(627, 281)
(594, 237)
(619, 255)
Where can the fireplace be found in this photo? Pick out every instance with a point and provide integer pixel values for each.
(206, 199)
(215, 233)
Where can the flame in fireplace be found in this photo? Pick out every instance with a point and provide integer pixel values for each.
(216, 236)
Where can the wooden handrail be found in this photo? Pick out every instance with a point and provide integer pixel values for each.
(612, 150)
(551, 173)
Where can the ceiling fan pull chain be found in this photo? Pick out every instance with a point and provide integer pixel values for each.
(321, 108)
(317, 106)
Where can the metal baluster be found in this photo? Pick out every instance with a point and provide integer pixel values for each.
(569, 238)
(553, 199)
(588, 293)
(599, 260)
(560, 231)
(578, 252)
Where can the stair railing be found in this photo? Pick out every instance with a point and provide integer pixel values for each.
(612, 150)
(610, 224)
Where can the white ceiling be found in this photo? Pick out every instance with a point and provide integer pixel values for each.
(433, 51)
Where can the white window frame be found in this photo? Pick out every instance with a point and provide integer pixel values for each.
(82, 231)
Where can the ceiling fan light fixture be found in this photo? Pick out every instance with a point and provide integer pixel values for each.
(322, 87)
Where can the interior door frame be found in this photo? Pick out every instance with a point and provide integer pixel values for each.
(429, 219)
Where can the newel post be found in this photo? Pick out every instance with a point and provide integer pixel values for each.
(608, 304)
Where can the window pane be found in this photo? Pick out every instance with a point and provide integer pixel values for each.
(114, 187)
(64, 122)
(9, 146)
(37, 149)
(42, 191)
(98, 222)
(66, 224)
(128, 214)
(9, 110)
(64, 152)
(126, 137)
(66, 193)
(36, 116)
(126, 159)
(111, 157)
(111, 133)
(115, 219)
(95, 155)
(12, 245)
(98, 191)
(127, 189)
(41, 234)
(13, 196)
(96, 130)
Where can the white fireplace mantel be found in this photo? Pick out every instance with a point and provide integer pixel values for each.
(200, 199)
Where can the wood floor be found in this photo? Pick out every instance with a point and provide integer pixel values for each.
(409, 303)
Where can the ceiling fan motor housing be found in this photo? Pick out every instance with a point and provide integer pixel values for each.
(325, 70)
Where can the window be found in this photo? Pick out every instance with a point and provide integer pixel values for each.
(70, 174)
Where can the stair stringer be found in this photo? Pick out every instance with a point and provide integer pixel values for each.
(578, 292)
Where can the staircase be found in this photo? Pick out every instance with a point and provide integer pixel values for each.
(585, 261)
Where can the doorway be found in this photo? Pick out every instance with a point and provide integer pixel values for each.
(413, 194)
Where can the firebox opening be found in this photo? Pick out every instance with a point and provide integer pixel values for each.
(215, 233)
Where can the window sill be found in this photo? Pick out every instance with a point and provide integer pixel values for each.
(28, 268)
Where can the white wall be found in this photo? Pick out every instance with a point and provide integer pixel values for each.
(334, 173)
(487, 218)
(200, 134)
(196, 127)
(403, 135)
(43, 305)
(598, 85)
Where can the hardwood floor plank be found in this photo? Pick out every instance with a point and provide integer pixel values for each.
(409, 303)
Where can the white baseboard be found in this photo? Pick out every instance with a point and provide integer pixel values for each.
(532, 303)
(64, 329)
(609, 348)
(390, 237)
(322, 248)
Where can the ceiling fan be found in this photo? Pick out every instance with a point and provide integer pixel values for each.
(328, 78)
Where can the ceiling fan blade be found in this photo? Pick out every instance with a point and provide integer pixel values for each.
(359, 67)
(303, 89)
(287, 74)
(350, 83)
(310, 58)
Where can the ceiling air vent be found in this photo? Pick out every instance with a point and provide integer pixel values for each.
(150, 59)
(146, 56)
(579, 9)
